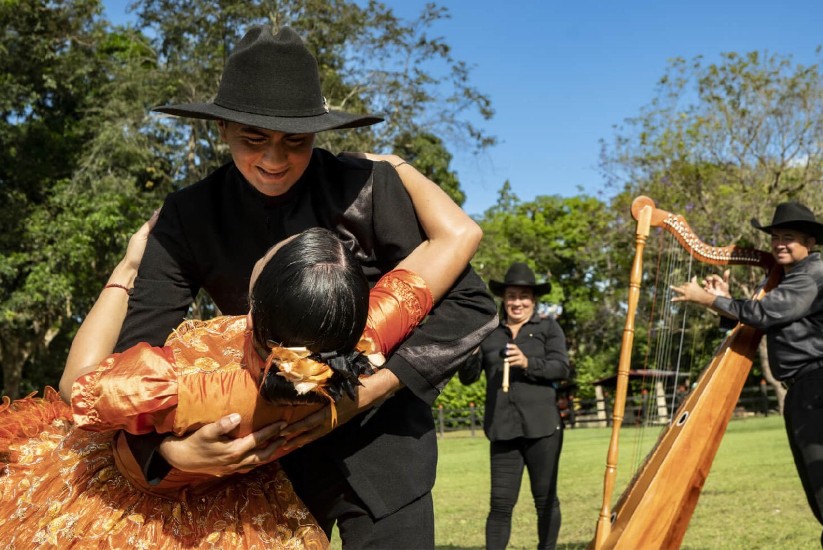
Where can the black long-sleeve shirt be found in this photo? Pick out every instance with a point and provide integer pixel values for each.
(791, 315)
(529, 408)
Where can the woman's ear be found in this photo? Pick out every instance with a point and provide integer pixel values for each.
(221, 129)
(249, 321)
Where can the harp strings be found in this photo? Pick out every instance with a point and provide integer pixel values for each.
(673, 337)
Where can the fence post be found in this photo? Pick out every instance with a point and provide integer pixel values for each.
(440, 421)
(764, 396)
(472, 417)
(602, 414)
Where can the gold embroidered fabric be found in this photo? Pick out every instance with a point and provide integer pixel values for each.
(61, 489)
(398, 302)
(64, 487)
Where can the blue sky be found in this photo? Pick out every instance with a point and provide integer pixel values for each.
(561, 75)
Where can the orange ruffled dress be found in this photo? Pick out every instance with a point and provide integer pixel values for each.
(76, 488)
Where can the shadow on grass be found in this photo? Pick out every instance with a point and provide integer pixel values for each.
(576, 545)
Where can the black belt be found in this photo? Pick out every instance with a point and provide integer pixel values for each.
(801, 372)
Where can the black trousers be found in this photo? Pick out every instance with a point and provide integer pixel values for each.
(803, 414)
(540, 457)
(331, 499)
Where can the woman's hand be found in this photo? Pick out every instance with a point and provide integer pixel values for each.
(126, 271)
(97, 336)
(210, 450)
(394, 160)
(516, 357)
(137, 242)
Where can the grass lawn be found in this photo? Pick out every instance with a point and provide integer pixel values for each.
(752, 498)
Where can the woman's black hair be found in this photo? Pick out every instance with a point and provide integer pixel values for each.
(312, 293)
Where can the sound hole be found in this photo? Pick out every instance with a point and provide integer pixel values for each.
(682, 418)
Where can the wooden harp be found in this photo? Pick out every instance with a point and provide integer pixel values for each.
(654, 510)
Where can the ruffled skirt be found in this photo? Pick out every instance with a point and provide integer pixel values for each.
(60, 488)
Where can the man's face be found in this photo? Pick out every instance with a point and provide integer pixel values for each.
(518, 301)
(271, 161)
(789, 246)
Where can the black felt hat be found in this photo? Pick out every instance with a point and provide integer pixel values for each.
(271, 81)
(519, 274)
(793, 215)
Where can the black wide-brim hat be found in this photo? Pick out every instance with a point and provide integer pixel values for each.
(793, 215)
(519, 274)
(271, 81)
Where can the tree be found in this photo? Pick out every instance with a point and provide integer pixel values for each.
(72, 173)
(369, 61)
(724, 142)
(83, 164)
(554, 235)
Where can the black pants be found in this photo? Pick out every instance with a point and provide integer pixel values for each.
(540, 456)
(331, 499)
(803, 414)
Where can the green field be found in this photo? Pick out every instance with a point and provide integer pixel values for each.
(751, 500)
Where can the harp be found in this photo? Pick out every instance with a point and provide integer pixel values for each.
(654, 510)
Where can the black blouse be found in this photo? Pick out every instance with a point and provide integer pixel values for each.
(529, 408)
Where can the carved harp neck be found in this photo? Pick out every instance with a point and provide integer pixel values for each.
(700, 251)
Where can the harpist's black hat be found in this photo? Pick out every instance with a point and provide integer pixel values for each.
(793, 215)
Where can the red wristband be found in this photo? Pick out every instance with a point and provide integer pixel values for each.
(128, 290)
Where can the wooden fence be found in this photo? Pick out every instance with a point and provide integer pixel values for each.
(587, 413)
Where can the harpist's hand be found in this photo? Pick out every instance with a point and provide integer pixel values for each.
(210, 450)
(690, 291)
(374, 389)
(716, 285)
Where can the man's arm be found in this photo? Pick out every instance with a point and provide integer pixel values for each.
(469, 372)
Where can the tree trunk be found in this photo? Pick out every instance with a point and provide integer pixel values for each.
(16, 347)
(779, 390)
(14, 352)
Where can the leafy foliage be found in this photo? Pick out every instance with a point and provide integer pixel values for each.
(722, 143)
(83, 162)
(72, 173)
(554, 235)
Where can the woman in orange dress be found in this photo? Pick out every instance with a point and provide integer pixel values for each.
(69, 487)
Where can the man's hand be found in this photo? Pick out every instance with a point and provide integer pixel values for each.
(374, 389)
(717, 285)
(692, 292)
(210, 450)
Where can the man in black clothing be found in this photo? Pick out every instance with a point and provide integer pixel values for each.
(374, 473)
(791, 316)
